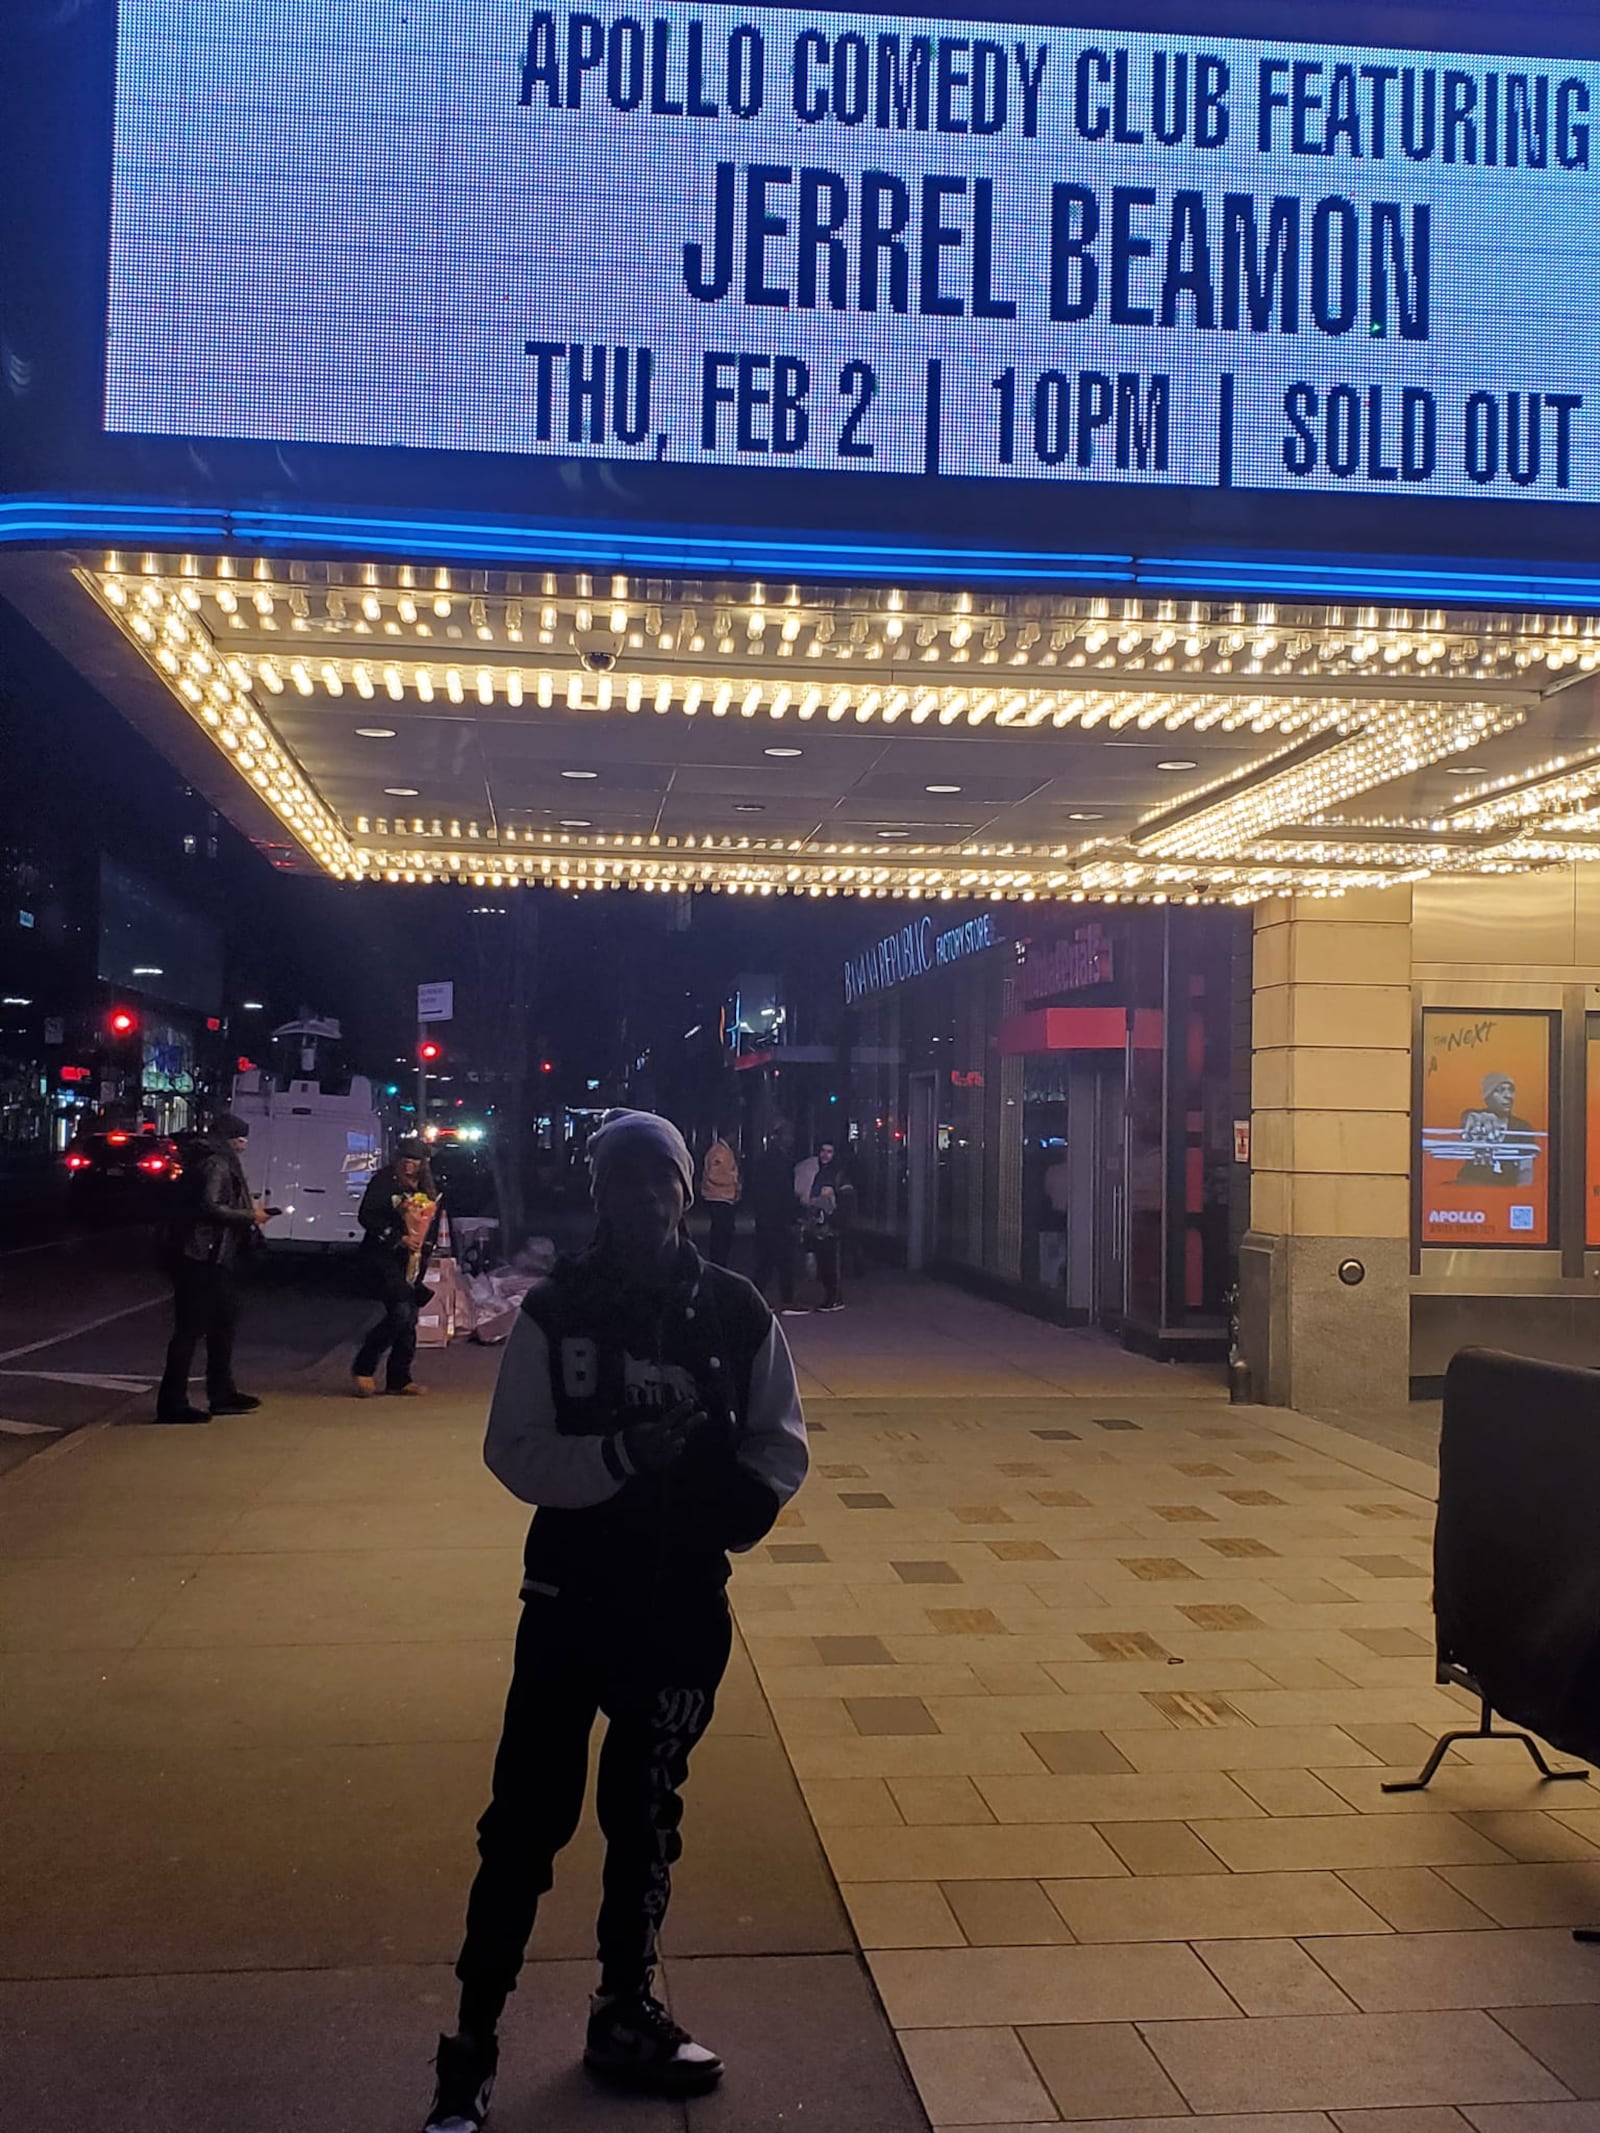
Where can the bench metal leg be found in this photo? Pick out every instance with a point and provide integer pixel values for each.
(1484, 1730)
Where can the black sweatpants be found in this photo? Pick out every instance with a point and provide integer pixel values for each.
(205, 1307)
(777, 1247)
(719, 1237)
(394, 1334)
(654, 1674)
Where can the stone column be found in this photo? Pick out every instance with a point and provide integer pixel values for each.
(1330, 1153)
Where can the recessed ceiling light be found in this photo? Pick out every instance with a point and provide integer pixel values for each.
(401, 792)
(375, 733)
(941, 788)
(782, 751)
(748, 807)
(1466, 770)
(576, 822)
(1178, 762)
(1085, 815)
(894, 833)
(580, 773)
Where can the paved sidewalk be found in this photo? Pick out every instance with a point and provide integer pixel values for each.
(1089, 1682)
(250, 1683)
(1092, 1697)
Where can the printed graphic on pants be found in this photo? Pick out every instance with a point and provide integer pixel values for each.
(1486, 1126)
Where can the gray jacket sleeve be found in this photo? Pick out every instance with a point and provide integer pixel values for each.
(773, 1445)
(525, 1451)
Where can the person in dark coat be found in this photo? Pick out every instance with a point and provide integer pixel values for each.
(647, 1407)
(776, 1207)
(399, 1217)
(217, 1216)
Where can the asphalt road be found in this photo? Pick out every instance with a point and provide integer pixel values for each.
(84, 1321)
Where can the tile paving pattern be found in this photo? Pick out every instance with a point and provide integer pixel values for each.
(1106, 1808)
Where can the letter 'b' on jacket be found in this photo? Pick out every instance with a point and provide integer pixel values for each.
(591, 1355)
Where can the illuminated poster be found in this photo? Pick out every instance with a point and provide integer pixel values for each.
(1486, 1135)
(1591, 1160)
(869, 243)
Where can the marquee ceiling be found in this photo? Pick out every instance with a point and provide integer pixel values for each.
(423, 724)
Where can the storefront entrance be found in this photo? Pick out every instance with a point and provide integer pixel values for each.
(1075, 1133)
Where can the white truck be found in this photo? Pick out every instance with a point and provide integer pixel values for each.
(316, 1137)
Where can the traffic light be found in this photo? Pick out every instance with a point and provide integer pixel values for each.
(547, 1066)
(122, 1022)
(428, 1051)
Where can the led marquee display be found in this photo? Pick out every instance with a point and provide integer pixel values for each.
(701, 235)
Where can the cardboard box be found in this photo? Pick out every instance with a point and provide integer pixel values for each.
(436, 1321)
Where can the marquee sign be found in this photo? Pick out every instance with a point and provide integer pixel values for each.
(696, 236)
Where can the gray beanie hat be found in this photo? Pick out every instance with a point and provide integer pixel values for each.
(639, 1133)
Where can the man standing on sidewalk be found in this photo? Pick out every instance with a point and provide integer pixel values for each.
(647, 1406)
(777, 1213)
(216, 1218)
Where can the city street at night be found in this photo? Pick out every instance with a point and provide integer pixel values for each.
(799, 1068)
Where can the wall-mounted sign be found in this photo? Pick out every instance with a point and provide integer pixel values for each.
(1241, 1140)
(914, 949)
(966, 1077)
(1049, 967)
(1485, 1141)
(870, 243)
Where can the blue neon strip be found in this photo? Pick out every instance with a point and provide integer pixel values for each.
(42, 521)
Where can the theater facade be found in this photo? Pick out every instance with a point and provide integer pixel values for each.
(1050, 467)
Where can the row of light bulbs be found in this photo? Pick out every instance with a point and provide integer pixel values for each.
(164, 616)
(836, 703)
(1110, 883)
(216, 696)
(1159, 637)
(1413, 737)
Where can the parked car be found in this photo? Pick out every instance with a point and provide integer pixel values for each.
(117, 1157)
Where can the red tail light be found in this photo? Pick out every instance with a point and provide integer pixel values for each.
(77, 1162)
(155, 1164)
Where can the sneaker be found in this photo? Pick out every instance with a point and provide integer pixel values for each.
(365, 1388)
(634, 2041)
(183, 1414)
(410, 1391)
(465, 2071)
(236, 1403)
(795, 1311)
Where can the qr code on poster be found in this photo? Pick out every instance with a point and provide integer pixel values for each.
(1522, 1218)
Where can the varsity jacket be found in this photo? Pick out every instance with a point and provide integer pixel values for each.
(591, 1353)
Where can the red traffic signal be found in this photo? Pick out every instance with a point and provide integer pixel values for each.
(547, 1066)
(122, 1022)
(428, 1051)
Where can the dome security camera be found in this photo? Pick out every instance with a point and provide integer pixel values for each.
(600, 661)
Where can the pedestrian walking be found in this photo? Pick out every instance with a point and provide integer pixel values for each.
(216, 1218)
(647, 1407)
(720, 1185)
(399, 1217)
(825, 1195)
(777, 1215)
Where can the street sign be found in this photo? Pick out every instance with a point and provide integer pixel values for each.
(436, 1003)
(55, 1030)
